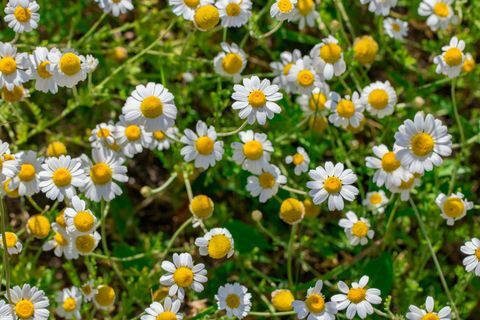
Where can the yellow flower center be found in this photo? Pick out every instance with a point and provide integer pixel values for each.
(159, 135)
(86, 289)
(24, 309)
(317, 101)
(8, 65)
(266, 180)
(315, 303)
(257, 98)
(103, 133)
(305, 7)
(345, 108)
(305, 78)
(42, 70)
(39, 226)
(232, 301)
(60, 219)
(219, 246)
(356, 295)
(69, 304)
(477, 253)
(27, 172)
(56, 149)
(311, 210)
(83, 221)
(233, 9)
(166, 315)
(253, 150)
(201, 206)
(11, 239)
(378, 99)
(468, 65)
(430, 316)
(285, 6)
(22, 14)
(365, 49)
(70, 64)
(332, 185)
(375, 198)
(286, 68)
(207, 17)
(291, 210)
(133, 132)
(422, 144)
(192, 3)
(453, 57)
(85, 243)
(282, 300)
(62, 177)
(330, 52)
(298, 159)
(60, 239)
(360, 229)
(453, 207)
(441, 9)
(232, 63)
(183, 277)
(9, 192)
(396, 27)
(151, 107)
(105, 296)
(390, 162)
(405, 185)
(14, 95)
(204, 145)
(101, 173)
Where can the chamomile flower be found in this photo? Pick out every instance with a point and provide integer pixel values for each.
(13, 67)
(29, 303)
(160, 140)
(104, 297)
(357, 230)
(365, 50)
(186, 8)
(103, 136)
(380, 7)
(253, 153)
(334, 183)
(234, 299)
(376, 201)
(69, 302)
(389, 168)
(102, 176)
(115, 7)
(450, 62)
(328, 58)
(472, 261)
(216, 243)
(169, 310)
(440, 13)
(395, 28)
(14, 246)
(307, 15)
(28, 176)
(5, 311)
(78, 219)
(422, 143)
(42, 69)
(379, 98)
(22, 15)
(4, 156)
(302, 76)
(453, 207)
(282, 300)
(131, 137)
(151, 106)
(88, 290)
(182, 274)
(468, 63)
(60, 243)
(357, 299)
(256, 100)
(319, 101)
(83, 244)
(69, 68)
(201, 208)
(415, 313)
(314, 307)
(206, 17)
(281, 68)
(405, 187)
(300, 159)
(17, 94)
(292, 211)
(284, 10)
(60, 177)
(234, 13)
(202, 146)
(230, 62)
(348, 112)
(38, 226)
(266, 184)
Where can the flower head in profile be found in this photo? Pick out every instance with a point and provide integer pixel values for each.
(14, 246)
(234, 299)
(415, 313)
(451, 61)
(186, 8)
(307, 13)
(453, 207)
(206, 16)
(314, 307)
(282, 300)
(472, 261)
(357, 230)
(231, 61)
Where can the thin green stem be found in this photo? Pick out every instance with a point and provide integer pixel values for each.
(188, 186)
(289, 255)
(293, 190)
(462, 138)
(174, 237)
(92, 29)
(6, 263)
(230, 133)
(165, 184)
(34, 204)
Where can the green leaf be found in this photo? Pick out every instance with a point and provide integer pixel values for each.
(246, 237)
(380, 271)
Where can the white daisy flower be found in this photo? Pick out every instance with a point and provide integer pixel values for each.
(60, 243)
(320, 101)
(376, 201)
(202, 146)
(284, 10)
(315, 307)
(115, 7)
(231, 61)
(389, 168)
(234, 13)
(186, 8)
(422, 143)
(83, 244)
(69, 302)
(29, 303)
(61, 176)
(301, 160)
(14, 246)
(217, 244)
(234, 299)
(302, 76)
(4, 157)
(357, 299)
(357, 230)
(253, 153)
(453, 207)
(266, 184)
(281, 68)
(182, 274)
(103, 174)
(22, 15)
(42, 68)
(348, 112)
(332, 183)
(380, 7)
(450, 62)
(405, 187)
(104, 297)
(472, 261)
(103, 137)
(379, 98)
(440, 13)
(13, 67)
(28, 176)
(5, 311)
(328, 58)
(69, 68)
(88, 290)
(79, 220)
(256, 100)
(395, 28)
(415, 313)
(151, 106)
(131, 137)
(307, 15)
(160, 139)
(168, 311)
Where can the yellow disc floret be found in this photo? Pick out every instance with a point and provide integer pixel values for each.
(166, 315)
(356, 295)
(298, 159)
(257, 98)
(56, 149)
(60, 239)
(292, 211)
(305, 78)
(27, 172)
(232, 300)
(376, 198)
(360, 229)
(330, 52)
(453, 57)
(206, 17)
(285, 6)
(39, 226)
(253, 150)
(24, 309)
(85, 243)
(332, 184)
(151, 107)
(232, 63)
(204, 145)
(201, 206)
(317, 101)
(453, 207)
(390, 162)
(430, 316)
(345, 108)
(365, 50)
(304, 7)
(22, 14)
(42, 70)
(70, 64)
(11, 239)
(62, 177)
(69, 304)
(378, 99)
(8, 65)
(282, 300)
(183, 277)
(219, 246)
(315, 303)
(266, 180)
(311, 210)
(441, 9)
(422, 144)
(105, 296)
(133, 132)
(233, 9)
(192, 4)
(83, 221)
(14, 95)
(101, 173)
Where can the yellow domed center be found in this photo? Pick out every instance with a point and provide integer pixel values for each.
(86, 289)
(232, 63)
(27, 172)
(8, 65)
(39, 226)
(298, 159)
(60, 219)
(69, 304)
(232, 300)
(70, 64)
(42, 70)
(468, 65)
(305, 78)
(365, 49)
(441, 9)
(345, 108)
(315, 303)
(207, 17)
(56, 149)
(83, 221)
(282, 300)
(204, 145)
(192, 3)
(396, 27)
(422, 144)
(291, 210)
(330, 52)
(360, 229)
(159, 135)
(285, 6)
(133, 132)
(332, 184)
(453, 207)
(233, 9)
(378, 99)
(166, 315)
(477, 253)
(201, 206)
(151, 107)
(60, 239)
(266, 180)
(22, 14)
(183, 277)
(101, 173)
(105, 296)
(85, 243)
(430, 316)
(375, 199)
(219, 246)
(356, 295)
(14, 95)
(257, 98)
(11, 239)
(453, 57)
(407, 184)
(103, 133)
(390, 162)
(24, 309)
(286, 68)
(253, 150)
(305, 7)
(317, 101)
(9, 192)
(62, 177)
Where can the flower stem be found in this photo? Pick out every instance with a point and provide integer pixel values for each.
(271, 314)
(92, 29)
(6, 264)
(462, 138)
(165, 184)
(289, 255)
(230, 133)
(293, 190)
